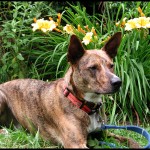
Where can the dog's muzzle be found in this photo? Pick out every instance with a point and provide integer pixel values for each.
(115, 83)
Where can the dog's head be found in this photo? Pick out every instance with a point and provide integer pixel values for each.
(93, 70)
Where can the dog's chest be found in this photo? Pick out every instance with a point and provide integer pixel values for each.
(95, 121)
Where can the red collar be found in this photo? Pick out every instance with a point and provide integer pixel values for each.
(88, 107)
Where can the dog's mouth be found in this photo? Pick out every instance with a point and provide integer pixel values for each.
(113, 88)
(111, 91)
(97, 93)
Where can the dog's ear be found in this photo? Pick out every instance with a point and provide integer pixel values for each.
(75, 50)
(112, 45)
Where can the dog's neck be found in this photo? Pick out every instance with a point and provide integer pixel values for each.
(69, 83)
(88, 107)
(91, 100)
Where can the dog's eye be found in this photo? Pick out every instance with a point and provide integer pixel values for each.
(111, 65)
(93, 67)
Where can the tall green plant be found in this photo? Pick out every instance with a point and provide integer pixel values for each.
(132, 66)
(134, 95)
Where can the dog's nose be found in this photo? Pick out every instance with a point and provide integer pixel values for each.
(116, 82)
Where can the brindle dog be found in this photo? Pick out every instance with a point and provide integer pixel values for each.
(66, 110)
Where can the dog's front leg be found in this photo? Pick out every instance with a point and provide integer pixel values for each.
(74, 145)
(74, 139)
(73, 133)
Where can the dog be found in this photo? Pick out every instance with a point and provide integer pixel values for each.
(64, 111)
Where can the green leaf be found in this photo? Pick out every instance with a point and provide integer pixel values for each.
(14, 30)
(137, 45)
(4, 58)
(20, 57)
(91, 142)
(15, 14)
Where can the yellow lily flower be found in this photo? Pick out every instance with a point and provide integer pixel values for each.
(143, 22)
(43, 25)
(88, 38)
(68, 28)
(131, 24)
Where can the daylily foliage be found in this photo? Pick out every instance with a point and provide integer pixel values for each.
(51, 25)
(135, 23)
(89, 34)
